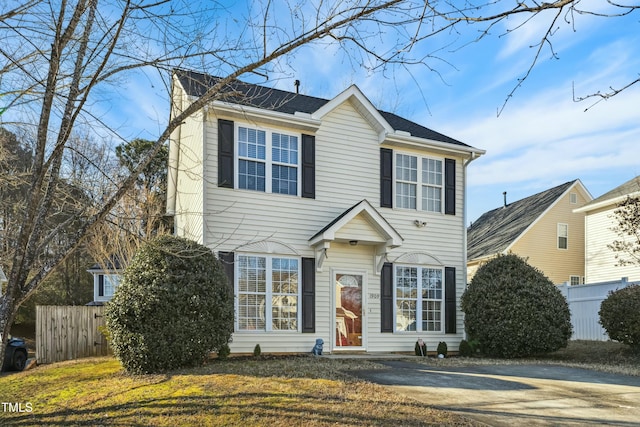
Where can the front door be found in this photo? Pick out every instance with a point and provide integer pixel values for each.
(349, 320)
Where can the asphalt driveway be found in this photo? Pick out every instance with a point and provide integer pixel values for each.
(524, 395)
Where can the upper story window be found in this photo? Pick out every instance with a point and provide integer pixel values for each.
(419, 183)
(563, 236)
(268, 161)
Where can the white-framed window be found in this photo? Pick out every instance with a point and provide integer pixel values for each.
(419, 182)
(573, 198)
(268, 161)
(110, 283)
(268, 293)
(563, 236)
(574, 280)
(418, 298)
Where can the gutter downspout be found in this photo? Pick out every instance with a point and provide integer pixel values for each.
(473, 156)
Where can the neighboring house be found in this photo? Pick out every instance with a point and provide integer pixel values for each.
(334, 220)
(543, 228)
(601, 263)
(105, 281)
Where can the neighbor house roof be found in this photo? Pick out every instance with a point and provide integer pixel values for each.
(615, 196)
(497, 229)
(196, 84)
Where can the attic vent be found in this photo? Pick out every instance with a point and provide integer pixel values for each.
(504, 194)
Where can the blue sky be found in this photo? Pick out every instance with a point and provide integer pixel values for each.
(541, 139)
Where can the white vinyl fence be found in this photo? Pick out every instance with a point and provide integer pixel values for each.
(584, 303)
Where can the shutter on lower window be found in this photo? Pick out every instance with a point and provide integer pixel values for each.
(225, 153)
(309, 166)
(227, 259)
(450, 300)
(386, 298)
(386, 178)
(101, 285)
(308, 295)
(449, 186)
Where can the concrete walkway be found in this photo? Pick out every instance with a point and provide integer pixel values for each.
(524, 395)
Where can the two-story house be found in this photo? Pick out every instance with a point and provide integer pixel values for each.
(334, 220)
(542, 228)
(600, 221)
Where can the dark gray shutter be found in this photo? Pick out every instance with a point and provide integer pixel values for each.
(101, 285)
(309, 166)
(227, 259)
(386, 178)
(225, 153)
(308, 295)
(386, 298)
(450, 300)
(449, 186)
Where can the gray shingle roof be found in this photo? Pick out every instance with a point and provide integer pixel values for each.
(630, 187)
(282, 101)
(495, 230)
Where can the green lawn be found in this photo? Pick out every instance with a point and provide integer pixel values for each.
(272, 391)
(302, 391)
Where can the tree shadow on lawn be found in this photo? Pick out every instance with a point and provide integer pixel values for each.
(258, 408)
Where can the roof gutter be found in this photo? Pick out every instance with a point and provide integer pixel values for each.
(473, 155)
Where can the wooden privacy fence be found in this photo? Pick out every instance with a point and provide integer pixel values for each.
(584, 302)
(69, 332)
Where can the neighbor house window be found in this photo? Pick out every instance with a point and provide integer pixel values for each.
(563, 236)
(419, 183)
(574, 280)
(108, 283)
(268, 161)
(268, 293)
(573, 198)
(418, 299)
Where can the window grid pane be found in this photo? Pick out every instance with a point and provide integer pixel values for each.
(405, 195)
(431, 199)
(251, 175)
(284, 149)
(284, 300)
(406, 298)
(432, 172)
(252, 143)
(284, 180)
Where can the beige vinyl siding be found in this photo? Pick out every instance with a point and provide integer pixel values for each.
(600, 260)
(189, 195)
(347, 171)
(539, 244)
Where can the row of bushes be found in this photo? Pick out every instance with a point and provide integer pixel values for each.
(174, 307)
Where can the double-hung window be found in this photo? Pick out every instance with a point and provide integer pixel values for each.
(110, 283)
(563, 236)
(268, 293)
(419, 183)
(418, 299)
(268, 161)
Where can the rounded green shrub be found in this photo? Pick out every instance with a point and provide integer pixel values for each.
(620, 316)
(442, 348)
(513, 310)
(171, 309)
(465, 349)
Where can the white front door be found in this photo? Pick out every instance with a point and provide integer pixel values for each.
(349, 319)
